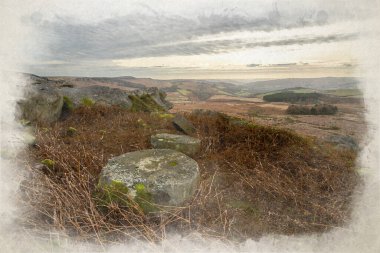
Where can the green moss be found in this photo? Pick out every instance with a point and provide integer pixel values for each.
(68, 103)
(48, 163)
(117, 193)
(140, 187)
(144, 198)
(87, 102)
(114, 192)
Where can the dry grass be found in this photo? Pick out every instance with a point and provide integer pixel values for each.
(254, 179)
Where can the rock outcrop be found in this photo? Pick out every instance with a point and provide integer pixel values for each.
(168, 177)
(182, 143)
(183, 125)
(98, 94)
(147, 100)
(40, 104)
(45, 99)
(158, 96)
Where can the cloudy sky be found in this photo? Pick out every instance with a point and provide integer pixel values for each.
(247, 39)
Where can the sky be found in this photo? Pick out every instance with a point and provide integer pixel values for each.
(214, 39)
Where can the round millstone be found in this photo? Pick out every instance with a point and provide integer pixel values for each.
(170, 177)
(182, 143)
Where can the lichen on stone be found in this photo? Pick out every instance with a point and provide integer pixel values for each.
(173, 163)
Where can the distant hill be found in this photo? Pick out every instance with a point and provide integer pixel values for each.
(196, 89)
(324, 83)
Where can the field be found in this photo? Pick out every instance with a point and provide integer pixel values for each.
(349, 120)
(255, 179)
(245, 99)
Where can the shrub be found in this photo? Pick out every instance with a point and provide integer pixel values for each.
(318, 109)
(292, 97)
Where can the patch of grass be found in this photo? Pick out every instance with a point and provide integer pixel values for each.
(345, 92)
(184, 92)
(48, 163)
(87, 102)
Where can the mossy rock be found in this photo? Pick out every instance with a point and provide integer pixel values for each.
(113, 192)
(144, 103)
(183, 125)
(156, 178)
(40, 105)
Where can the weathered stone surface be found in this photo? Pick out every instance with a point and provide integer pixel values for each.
(158, 96)
(99, 94)
(182, 143)
(148, 100)
(183, 125)
(169, 177)
(40, 104)
(45, 91)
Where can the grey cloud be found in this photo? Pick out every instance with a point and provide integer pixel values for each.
(142, 35)
(214, 47)
(283, 65)
(290, 64)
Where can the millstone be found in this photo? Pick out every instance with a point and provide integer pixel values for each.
(170, 177)
(182, 143)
